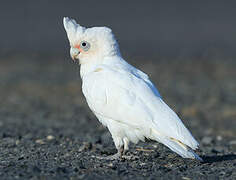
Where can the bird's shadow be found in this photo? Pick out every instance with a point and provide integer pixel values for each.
(220, 158)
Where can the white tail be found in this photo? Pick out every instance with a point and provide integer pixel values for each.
(175, 145)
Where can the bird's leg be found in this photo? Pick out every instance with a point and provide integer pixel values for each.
(118, 155)
(126, 145)
(126, 148)
(120, 149)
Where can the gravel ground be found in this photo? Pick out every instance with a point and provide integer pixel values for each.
(48, 132)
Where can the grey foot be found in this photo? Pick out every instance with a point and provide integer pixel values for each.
(121, 154)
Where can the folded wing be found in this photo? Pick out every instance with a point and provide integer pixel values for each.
(128, 98)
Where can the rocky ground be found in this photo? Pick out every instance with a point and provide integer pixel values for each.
(48, 132)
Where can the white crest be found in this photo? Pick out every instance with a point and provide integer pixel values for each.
(72, 28)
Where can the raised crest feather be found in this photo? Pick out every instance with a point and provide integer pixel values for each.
(72, 28)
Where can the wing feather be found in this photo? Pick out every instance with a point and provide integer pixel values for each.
(140, 105)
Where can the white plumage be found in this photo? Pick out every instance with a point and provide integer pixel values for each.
(121, 96)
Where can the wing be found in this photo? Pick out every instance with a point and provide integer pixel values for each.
(130, 99)
(110, 94)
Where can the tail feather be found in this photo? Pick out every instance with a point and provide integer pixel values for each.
(176, 146)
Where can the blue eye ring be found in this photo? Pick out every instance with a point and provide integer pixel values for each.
(85, 45)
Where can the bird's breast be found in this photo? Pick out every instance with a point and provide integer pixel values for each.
(94, 92)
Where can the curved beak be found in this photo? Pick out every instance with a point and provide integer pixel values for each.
(74, 52)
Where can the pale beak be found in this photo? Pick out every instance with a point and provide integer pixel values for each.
(74, 52)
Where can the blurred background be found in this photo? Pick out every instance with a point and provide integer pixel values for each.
(187, 48)
(156, 28)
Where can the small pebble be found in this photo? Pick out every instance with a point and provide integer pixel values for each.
(85, 146)
(17, 142)
(50, 137)
(186, 178)
(110, 165)
(155, 145)
(219, 138)
(40, 141)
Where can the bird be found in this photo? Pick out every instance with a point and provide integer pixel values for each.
(122, 97)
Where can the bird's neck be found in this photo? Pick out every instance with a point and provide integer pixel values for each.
(91, 64)
(86, 68)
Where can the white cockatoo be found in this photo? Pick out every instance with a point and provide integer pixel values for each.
(122, 97)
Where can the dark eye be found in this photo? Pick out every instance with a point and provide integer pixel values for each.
(85, 45)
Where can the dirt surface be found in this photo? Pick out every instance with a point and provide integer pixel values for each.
(48, 132)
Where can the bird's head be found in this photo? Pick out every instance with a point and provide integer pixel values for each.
(89, 44)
